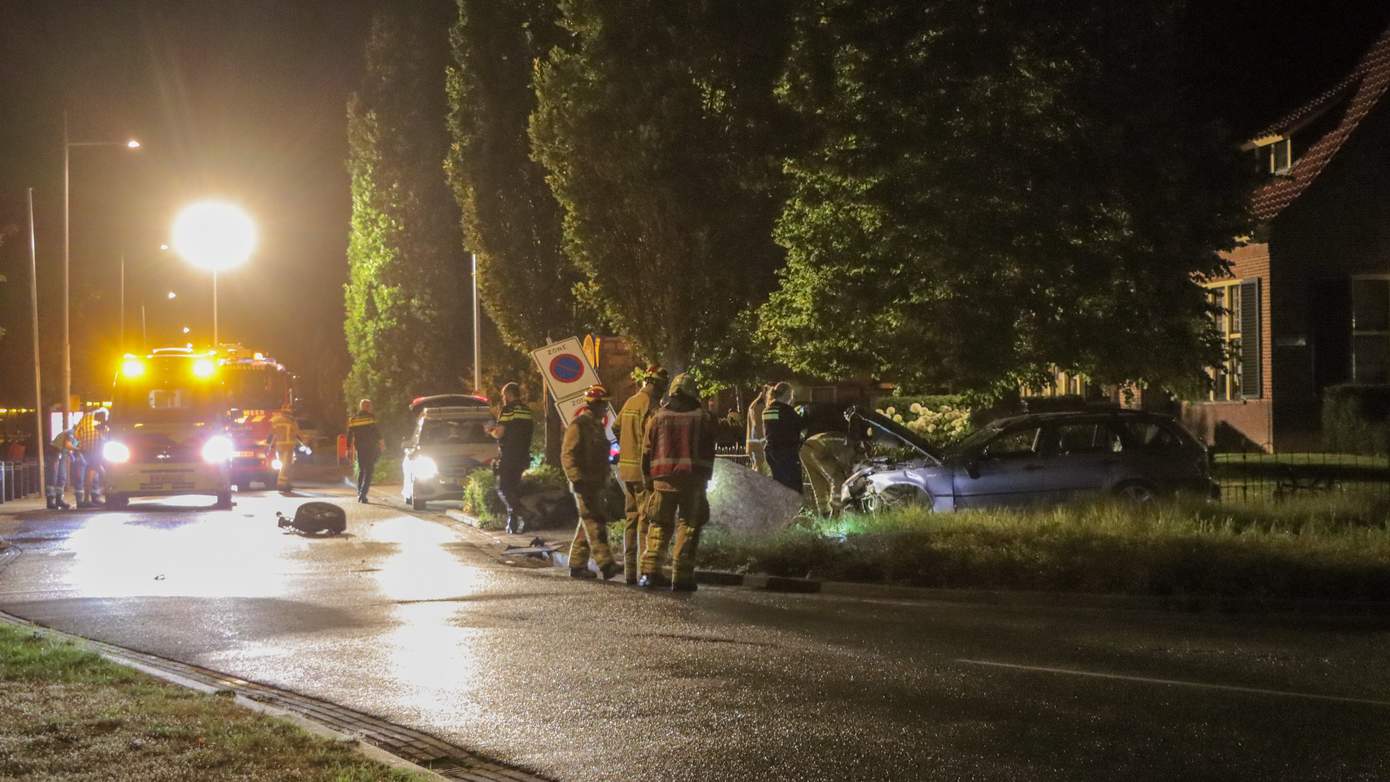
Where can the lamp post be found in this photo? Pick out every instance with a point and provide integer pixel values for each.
(68, 144)
(214, 235)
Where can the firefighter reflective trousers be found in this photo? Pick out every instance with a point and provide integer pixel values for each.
(678, 505)
(591, 536)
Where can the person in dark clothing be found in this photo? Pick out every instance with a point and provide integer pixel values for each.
(365, 439)
(513, 435)
(782, 427)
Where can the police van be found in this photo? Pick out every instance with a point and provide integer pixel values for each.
(448, 441)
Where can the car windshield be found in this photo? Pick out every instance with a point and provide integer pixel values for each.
(452, 431)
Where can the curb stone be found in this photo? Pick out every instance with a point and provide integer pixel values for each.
(389, 743)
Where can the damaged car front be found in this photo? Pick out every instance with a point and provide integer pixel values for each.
(898, 468)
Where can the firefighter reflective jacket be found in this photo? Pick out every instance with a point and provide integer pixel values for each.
(284, 430)
(584, 452)
(632, 428)
(782, 426)
(680, 441)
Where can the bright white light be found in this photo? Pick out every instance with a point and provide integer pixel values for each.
(173, 295)
(425, 467)
(115, 453)
(133, 144)
(276, 464)
(185, 329)
(217, 449)
(214, 235)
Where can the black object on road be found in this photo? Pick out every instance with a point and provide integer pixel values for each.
(313, 518)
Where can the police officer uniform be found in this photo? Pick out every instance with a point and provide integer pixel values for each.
(515, 427)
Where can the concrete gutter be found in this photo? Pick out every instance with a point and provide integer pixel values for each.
(394, 745)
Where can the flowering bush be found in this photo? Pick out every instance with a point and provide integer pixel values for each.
(941, 424)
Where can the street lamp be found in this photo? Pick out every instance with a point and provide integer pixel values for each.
(214, 235)
(68, 144)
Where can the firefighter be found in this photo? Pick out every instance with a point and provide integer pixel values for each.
(678, 459)
(512, 432)
(828, 457)
(365, 440)
(62, 449)
(584, 457)
(284, 439)
(783, 426)
(632, 427)
(755, 438)
(90, 431)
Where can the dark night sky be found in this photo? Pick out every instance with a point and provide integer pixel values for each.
(245, 100)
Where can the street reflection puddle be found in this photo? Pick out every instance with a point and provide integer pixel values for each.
(114, 556)
(420, 568)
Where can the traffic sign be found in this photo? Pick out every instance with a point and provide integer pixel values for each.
(566, 369)
(569, 409)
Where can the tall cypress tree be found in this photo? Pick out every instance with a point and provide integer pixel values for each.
(407, 291)
(657, 124)
(510, 217)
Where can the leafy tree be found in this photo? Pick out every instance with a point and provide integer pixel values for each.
(663, 142)
(407, 294)
(995, 188)
(510, 217)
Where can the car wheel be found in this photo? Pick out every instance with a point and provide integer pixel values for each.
(1136, 492)
(890, 498)
(417, 503)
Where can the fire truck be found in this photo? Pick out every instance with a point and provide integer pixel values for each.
(257, 385)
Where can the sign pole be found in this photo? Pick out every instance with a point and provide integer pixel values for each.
(34, 304)
(477, 333)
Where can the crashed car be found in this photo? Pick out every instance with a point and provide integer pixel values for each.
(1038, 459)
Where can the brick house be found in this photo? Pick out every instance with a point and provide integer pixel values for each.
(1308, 298)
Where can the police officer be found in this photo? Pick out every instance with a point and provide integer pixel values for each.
(783, 426)
(365, 438)
(284, 438)
(513, 435)
(632, 428)
(679, 460)
(584, 457)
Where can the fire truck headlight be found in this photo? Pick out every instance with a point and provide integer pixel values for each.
(217, 449)
(204, 368)
(425, 468)
(132, 367)
(115, 453)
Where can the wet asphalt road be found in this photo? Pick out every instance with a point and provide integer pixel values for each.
(415, 620)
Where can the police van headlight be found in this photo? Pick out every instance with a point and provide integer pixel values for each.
(425, 468)
(115, 453)
(217, 449)
(276, 464)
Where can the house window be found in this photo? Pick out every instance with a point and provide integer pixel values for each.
(1370, 329)
(1281, 156)
(1226, 378)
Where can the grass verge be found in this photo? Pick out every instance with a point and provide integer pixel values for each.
(67, 713)
(1330, 547)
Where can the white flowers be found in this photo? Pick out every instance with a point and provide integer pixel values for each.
(941, 426)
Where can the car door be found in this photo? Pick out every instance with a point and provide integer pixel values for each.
(1088, 454)
(1010, 470)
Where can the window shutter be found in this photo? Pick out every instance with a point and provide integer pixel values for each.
(1251, 376)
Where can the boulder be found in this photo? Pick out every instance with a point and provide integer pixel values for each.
(747, 501)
